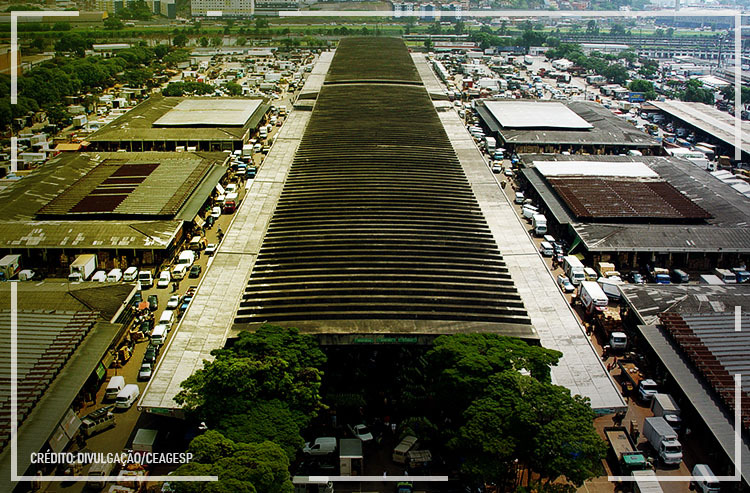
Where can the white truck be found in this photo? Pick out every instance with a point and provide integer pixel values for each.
(9, 266)
(664, 406)
(573, 269)
(490, 144)
(82, 267)
(539, 222)
(592, 297)
(663, 439)
(247, 150)
(611, 288)
(144, 440)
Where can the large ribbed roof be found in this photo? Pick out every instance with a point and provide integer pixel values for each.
(377, 227)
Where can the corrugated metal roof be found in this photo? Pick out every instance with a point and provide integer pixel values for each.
(607, 130)
(718, 124)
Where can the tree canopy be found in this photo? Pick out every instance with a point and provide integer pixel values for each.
(241, 467)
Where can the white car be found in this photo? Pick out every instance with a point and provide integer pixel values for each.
(216, 212)
(145, 372)
(497, 168)
(210, 249)
(362, 432)
(164, 279)
(173, 303)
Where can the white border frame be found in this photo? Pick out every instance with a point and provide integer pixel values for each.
(373, 13)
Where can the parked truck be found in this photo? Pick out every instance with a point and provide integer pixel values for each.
(539, 222)
(664, 406)
(645, 387)
(9, 266)
(660, 276)
(144, 440)
(624, 451)
(663, 439)
(573, 269)
(592, 297)
(609, 323)
(490, 145)
(82, 267)
(607, 269)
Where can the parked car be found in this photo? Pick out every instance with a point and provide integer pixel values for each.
(637, 278)
(153, 302)
(362, 432)
(150, 356)
(145, 372)
(173, 303)
(164, 279)
(211, 249)
(565, 284)
(216, 212)
(497, 168)
(195, 271)
(508, 172)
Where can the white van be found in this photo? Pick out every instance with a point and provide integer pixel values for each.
(726, 275)
(549, 239)
(708, 485)
(179, 271)
(127, 396)
(114, 387)
(159, 335)
(167, 318)
(528, 211)
(519, 198)
(546, 249)
(130, 274)
(99, 276)
(186, 257)
(115, 275)
(146, 278)
(321, 446)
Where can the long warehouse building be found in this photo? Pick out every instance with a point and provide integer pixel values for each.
(375, 233)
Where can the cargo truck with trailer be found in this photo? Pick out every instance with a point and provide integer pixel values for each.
(645, 388)
(624, 451)
(663, 439)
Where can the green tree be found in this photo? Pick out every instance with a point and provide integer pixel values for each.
(523, 422)
(61, 26)
(241, 467)
(137, 77)
(694, 91)
(459, 27)
(261, 23)
(160, 51)
(180, 40)
(203, 41)
(267, 421)
(644, 86)
(271, 363)
(591, 27)
(727, 93)
(233, 88)
(216, 41)
(241, 41)
(113, 23)
(72, 42)
(617, 30)
(58, 115)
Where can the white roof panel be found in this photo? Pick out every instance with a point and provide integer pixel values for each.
(595, 169)
(532, 114)
(219, 112)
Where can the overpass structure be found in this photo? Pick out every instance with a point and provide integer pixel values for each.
(361, 227)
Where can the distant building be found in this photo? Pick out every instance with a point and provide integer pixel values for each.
(228, 8)
(272, 7)
(167, 8)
